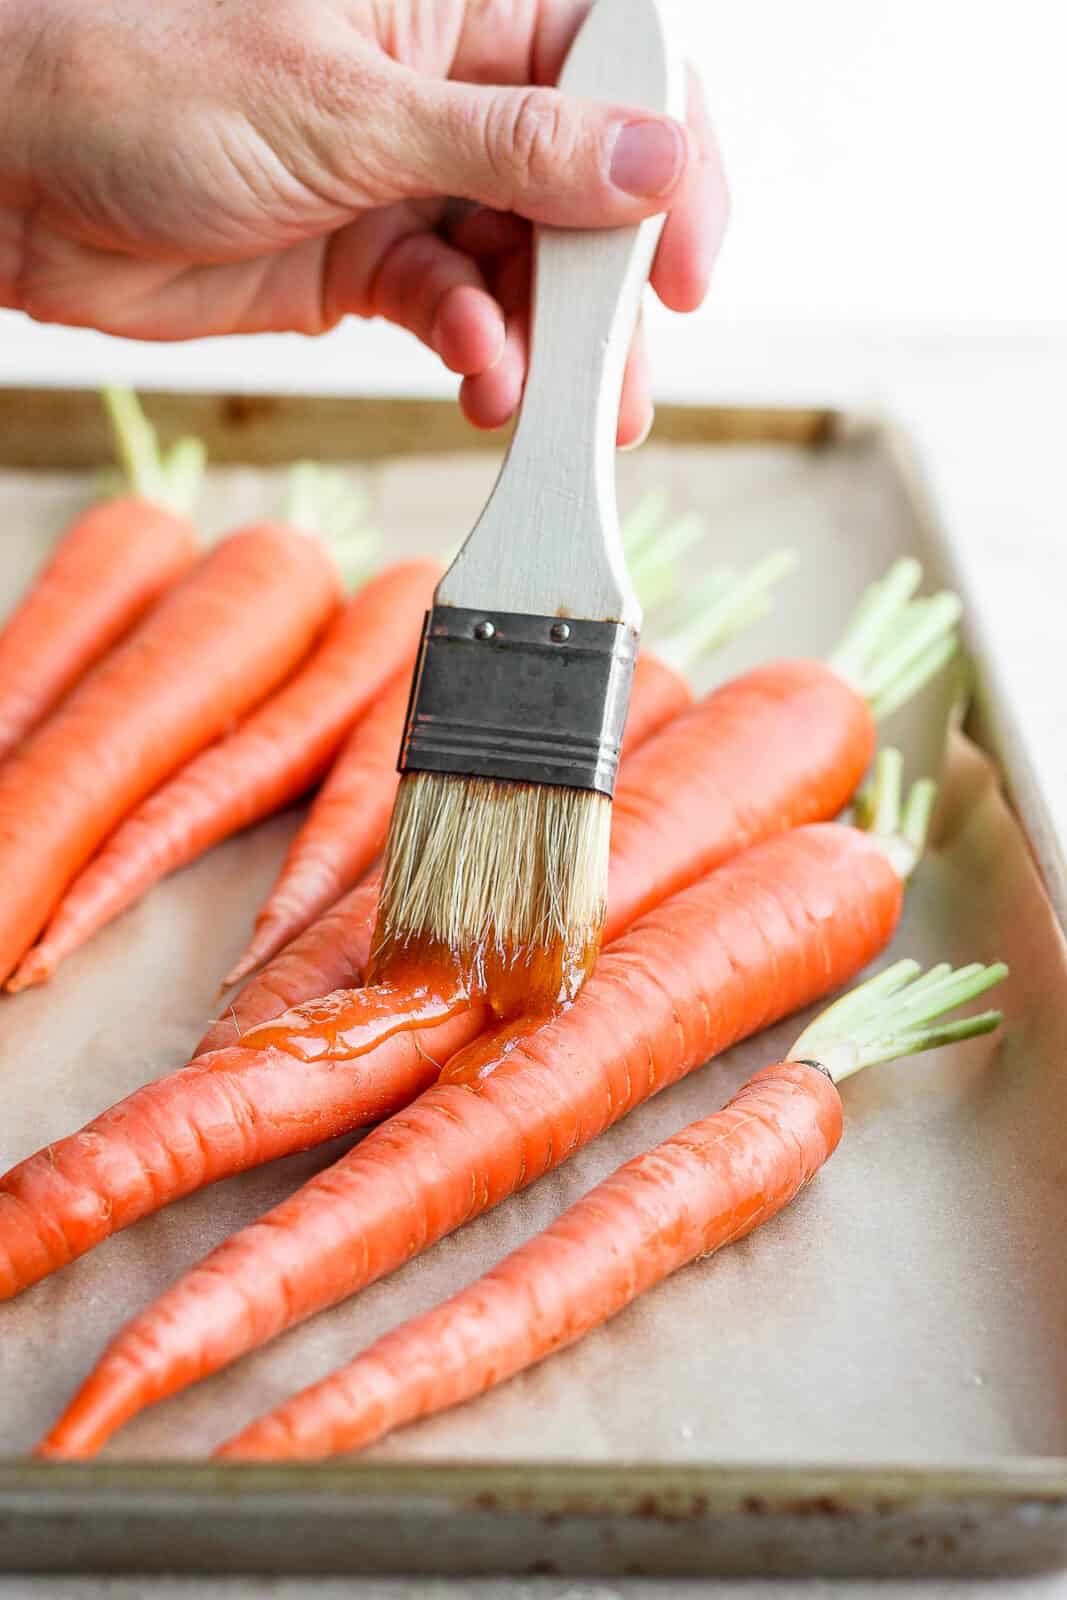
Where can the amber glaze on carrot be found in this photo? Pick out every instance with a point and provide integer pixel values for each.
(215, 645)
(332, 954)
(776, 748)
(195, 1123)
(334, 951)
(275, 754)
(110, 567)
(773, 930)
(64, 1200)
(714, 780)
(696, 1192)
(350, 817)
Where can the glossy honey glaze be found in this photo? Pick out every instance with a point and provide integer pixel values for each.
(418, 985)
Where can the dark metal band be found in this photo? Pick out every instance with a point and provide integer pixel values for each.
(802, 1061)
(532, 699)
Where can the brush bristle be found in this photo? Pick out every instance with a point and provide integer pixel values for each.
(496, 873)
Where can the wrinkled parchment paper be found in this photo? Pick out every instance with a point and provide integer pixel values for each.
(911, 1304)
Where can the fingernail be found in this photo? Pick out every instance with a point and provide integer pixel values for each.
(635, 444)
(501, 347)
(647, 158)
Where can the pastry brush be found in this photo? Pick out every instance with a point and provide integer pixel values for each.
(497, 858)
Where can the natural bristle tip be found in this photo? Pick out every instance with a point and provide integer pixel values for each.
(488, 869)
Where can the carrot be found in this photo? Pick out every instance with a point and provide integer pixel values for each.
(67, 1197)
(335, 950)
(229, 1109)
(344, 832)
(702, 1189)
(349, 820)
(111, 566)
(212, 649)
(268, 761)
(333, 953)
(776, 928)
(780, 746)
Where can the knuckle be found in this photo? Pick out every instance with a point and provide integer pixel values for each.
(532, 137)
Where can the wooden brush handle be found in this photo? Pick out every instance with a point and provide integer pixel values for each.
(548, 541)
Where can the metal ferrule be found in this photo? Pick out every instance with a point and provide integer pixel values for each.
(500, 694)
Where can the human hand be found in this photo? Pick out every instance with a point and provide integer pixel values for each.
(224, 166)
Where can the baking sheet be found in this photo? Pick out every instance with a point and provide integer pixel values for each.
(907, 1308)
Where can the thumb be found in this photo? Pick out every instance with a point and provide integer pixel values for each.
(536, 152)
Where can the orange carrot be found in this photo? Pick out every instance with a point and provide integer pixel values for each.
(706, 1187)
(272, 758)
(702, 789)
(333, 953)
(349, 819)
(212, 648)
(68, 1197)
(108, 570)
(197, 1122)
(776, 928)
(344, 832)
(777, 747)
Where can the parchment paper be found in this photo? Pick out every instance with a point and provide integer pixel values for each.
(909, 1306)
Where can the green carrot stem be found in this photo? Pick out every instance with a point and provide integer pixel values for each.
(879, 606)
(898, 1013)
(321, 502)
(895, 643)
(886, 792)
(641, 525)
(657, 562)
(915, 677)
(899, 822)
(173, 479)
(918, 812)
(723, 604)
(924, 624)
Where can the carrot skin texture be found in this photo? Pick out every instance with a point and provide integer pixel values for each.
(276, 753)
(217, 1116)
(331, 954)
(349, 820)
(682, 829)
(775, 929)
(110, 567)
(344, 833)
(776, 748)
(658, 695)
(696, 1192)
(334, 952)
(212, 648)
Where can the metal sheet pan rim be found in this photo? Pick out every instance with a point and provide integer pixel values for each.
(1013, 1512)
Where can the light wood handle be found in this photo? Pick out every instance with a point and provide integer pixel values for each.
(548, 541)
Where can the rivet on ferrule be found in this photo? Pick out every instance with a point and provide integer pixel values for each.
(520, 697)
